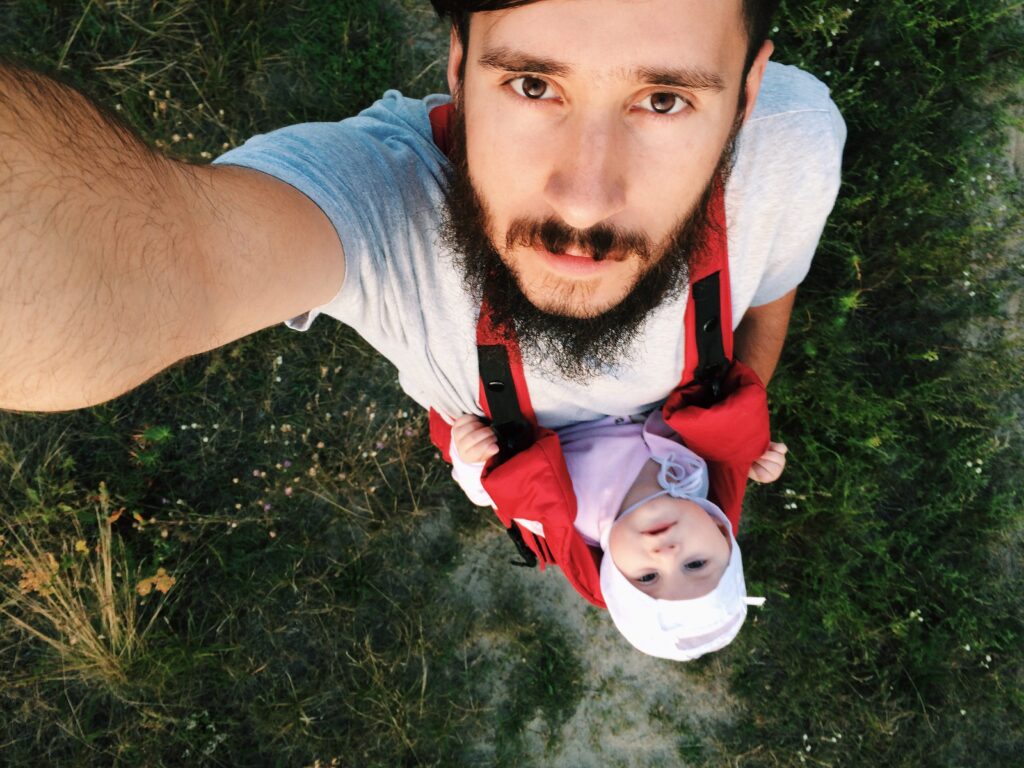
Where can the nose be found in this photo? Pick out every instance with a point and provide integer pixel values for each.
(663, 547)
(587, 184)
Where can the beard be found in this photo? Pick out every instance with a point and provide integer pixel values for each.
(554, 340)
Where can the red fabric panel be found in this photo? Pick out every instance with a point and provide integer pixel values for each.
(440, 434)
(535, 485)
(440, 118)
(729, 435)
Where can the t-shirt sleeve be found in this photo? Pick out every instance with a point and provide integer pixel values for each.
(790, 160)
(372, 175)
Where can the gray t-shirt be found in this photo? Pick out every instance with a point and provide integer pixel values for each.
(378, 177)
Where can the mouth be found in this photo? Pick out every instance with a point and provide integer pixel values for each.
(573, 263)
(658, 529)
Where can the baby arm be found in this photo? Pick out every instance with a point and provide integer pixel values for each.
(768, 468)
(473, 442)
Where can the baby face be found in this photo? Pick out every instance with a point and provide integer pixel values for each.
(670, 549)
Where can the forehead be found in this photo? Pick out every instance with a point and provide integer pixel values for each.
(612, 39)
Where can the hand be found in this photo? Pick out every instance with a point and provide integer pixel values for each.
(474, 440)
(768, 468)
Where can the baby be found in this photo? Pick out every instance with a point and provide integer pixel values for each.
(672, 575)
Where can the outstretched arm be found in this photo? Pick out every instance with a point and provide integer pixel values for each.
(116, 262)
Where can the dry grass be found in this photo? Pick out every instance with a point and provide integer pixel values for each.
(83, 605)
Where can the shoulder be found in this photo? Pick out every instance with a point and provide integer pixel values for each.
(786, 89)
(783, 185)
(389, 143)
(789, 152)
(794, 122)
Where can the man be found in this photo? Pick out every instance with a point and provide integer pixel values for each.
(587, 140)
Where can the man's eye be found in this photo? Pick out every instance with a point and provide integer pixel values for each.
(664, 103)
(530, 87)
(695, 565)
(647, 578)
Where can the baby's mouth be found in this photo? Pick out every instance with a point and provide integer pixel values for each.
(659, 529)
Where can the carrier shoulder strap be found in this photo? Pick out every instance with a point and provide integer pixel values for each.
(504, 396)
(708, 315)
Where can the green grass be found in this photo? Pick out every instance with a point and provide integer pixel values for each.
(313, 617)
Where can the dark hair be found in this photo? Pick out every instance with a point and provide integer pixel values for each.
(757, 18)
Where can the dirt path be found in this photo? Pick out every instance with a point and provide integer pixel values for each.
(635, 711)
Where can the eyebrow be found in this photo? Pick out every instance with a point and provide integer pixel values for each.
(507, 60)
(691, 78)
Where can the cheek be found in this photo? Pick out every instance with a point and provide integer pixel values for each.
(623, 548)
(669, 175)
(505, 164)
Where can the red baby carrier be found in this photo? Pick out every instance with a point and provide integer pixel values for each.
(719, 409)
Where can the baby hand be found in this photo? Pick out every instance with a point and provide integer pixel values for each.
(474, 440)
(768, 468)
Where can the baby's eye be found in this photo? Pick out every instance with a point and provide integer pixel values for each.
(532, 88)
(647, 578)
(695, 565)
(664, 103)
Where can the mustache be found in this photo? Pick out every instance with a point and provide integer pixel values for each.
(600, 242)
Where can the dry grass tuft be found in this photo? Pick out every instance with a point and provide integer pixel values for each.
(83, 606)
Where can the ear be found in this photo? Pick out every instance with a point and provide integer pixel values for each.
(755, 75)
(455, 55)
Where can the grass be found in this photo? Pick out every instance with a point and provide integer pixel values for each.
(285, 483)
(82, 605)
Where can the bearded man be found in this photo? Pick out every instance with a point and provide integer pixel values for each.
(586, 142)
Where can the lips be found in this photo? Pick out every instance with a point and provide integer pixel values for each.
(572, 264)
(658, 529)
